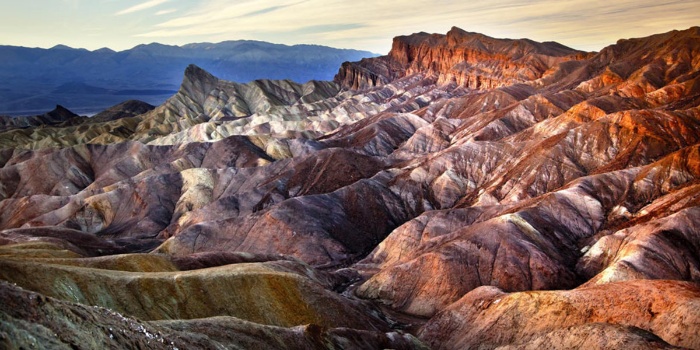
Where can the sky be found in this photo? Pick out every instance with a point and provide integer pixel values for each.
(358, 24)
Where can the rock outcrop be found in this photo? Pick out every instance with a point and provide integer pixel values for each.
(60, 116)
(488, 318)
(278, 293)
(36, 321)
(130, 108)
(472, 60)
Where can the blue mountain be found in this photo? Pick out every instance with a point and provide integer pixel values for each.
(34, 80)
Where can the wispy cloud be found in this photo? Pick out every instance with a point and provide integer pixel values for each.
(369, 24)
(165, 12)
(140, 7)
(264, 11)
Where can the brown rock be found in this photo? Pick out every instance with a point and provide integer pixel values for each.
(126, 109)
(471, 60)
(488, 317)
(59, 116)
(266, 293)
(593, 336)
(665, 248)
(36, 321)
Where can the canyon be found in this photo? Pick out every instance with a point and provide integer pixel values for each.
(461, 192)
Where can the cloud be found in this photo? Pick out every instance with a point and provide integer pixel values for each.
(165, 12)
(140, 7)
(264, 11)
(327, 28)
(365, 24)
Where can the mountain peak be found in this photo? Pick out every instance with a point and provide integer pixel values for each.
(197, 82)
(105, 50)
(61, 47)
(456, 32)
(194, 72)
(678, 46)
(60, 114)
(60, 110)
(129, 108)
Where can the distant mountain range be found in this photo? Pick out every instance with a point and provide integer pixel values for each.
(34, 80)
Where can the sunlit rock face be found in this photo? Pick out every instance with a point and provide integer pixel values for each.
(488, 317)
(473, 192)
(471, 60)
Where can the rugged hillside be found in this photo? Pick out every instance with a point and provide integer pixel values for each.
(470, 191)
(130, 108)
(59, 116)
(472, 60)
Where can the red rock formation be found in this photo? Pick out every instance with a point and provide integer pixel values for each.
(488, 318)
(472, 60)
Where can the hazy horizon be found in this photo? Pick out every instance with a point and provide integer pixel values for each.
(175, 45)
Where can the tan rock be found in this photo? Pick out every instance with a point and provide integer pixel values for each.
(489, 318)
